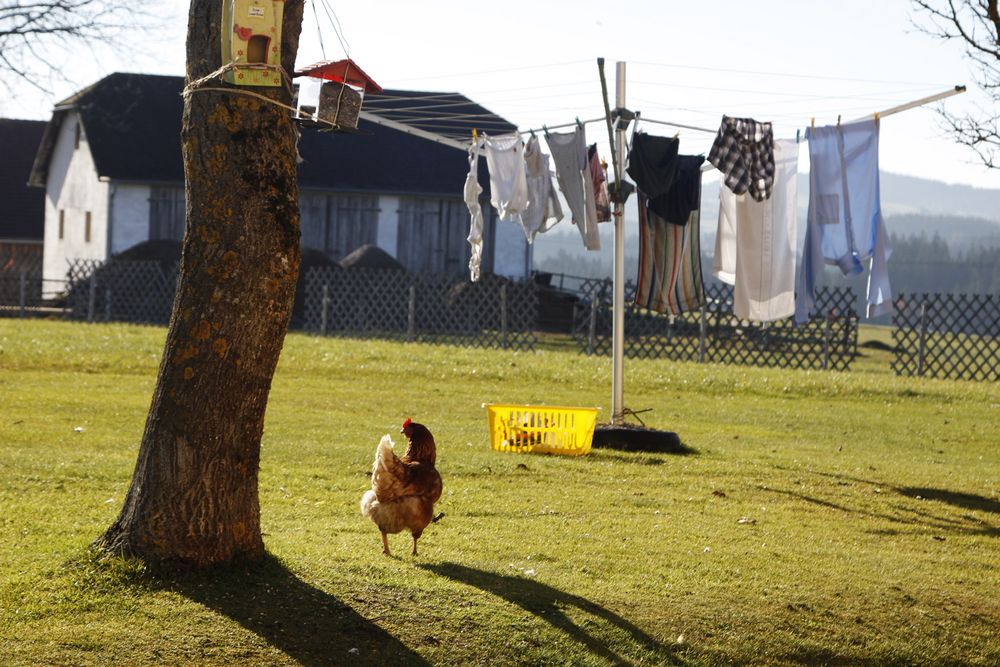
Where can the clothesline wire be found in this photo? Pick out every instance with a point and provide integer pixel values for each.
(643, 119)
(562, 125)
(792, 75)
(495, 71)
(786, 74)
(486, 119)
(777, 93)
(795, 98)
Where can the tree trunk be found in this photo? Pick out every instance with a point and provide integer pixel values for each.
(193, 498)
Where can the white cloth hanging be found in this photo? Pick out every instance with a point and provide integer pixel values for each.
(569, 153)
(472, 192)
(755, 243)
(543, 210)
(508, 186)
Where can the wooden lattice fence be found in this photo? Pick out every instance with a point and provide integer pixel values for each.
(121, 290)
(492, 313)
(948, 336)
(714, 334)
(20, 291)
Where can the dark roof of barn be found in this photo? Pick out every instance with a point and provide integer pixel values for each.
(22, 216)
(133, 122)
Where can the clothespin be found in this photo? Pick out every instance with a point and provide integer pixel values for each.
(797, 130)
(475, 135)
(838, 120)
(876, 119)
(814, 122)
(578, 123)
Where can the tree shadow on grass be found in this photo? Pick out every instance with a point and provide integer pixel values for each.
(917, 517)
(548, 603)
(969, 501)
(304, 622)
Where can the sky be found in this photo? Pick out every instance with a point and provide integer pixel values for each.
(791, 62)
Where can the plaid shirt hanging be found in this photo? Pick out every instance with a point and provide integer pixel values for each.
(744, 152)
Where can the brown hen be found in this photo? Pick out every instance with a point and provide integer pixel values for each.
(404, 490)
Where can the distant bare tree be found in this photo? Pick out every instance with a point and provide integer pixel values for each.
(33, 33)
(976, 24)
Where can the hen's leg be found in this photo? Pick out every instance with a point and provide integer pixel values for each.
(385, 544)
(414, 545)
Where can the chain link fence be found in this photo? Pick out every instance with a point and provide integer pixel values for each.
(949, 336)
(714, 334)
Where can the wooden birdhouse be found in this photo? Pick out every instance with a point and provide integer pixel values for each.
(331, 92)
(251, 41)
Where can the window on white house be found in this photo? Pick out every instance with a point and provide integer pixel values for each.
(166, 213)
(62, 223)
(77, 129)
(86, 227)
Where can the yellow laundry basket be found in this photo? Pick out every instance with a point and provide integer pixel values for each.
(541, 429)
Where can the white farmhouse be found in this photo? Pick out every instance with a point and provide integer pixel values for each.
(110, 163)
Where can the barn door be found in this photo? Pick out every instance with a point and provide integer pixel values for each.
(433, 236)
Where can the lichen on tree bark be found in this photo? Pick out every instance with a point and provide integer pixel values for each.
(193, 497)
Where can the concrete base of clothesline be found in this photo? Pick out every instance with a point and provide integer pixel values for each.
(629, 438)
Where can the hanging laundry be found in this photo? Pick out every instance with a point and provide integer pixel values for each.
(669, 279)
(675, 205)
(844, 226)
(652, 163)
(471, 193)
(543, 210)
(505, 159)
(599, 175)
(744, 152)
(569, 153)
(755, 243)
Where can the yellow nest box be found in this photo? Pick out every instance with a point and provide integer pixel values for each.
(251, 41)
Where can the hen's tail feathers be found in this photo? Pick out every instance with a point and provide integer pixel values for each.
(384, 454)
(367, 501)
(437, 518)
(388, 472)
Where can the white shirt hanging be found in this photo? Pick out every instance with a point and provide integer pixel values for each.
(508, 185)
(543, 210)
(472, 192)
(755, 243)
(569, 152)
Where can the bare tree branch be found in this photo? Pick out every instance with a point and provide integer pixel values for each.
(975, 24)
(33, 33)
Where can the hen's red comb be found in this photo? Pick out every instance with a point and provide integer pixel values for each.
(407, 422)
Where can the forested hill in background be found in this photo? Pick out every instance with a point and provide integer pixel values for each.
(946, 238)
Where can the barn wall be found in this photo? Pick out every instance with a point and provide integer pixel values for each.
(73, 188)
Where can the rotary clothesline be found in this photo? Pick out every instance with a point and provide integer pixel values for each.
(746, 163)
(671, 247)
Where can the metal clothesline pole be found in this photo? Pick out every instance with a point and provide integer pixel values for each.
(618, 303)
(643, 119)
(957, 90)
(556, 127)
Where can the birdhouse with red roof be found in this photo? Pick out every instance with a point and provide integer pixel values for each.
(331, 93)
(251, 41)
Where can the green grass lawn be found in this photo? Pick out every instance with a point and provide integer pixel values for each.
(823, 518)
